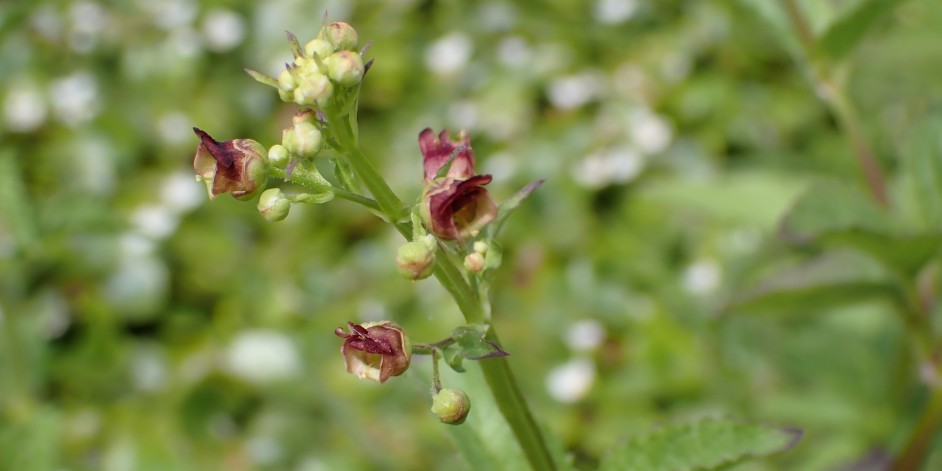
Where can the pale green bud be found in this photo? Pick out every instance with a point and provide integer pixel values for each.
(318, 48)
(302, 139)
(313, 89)
(340, 35)
(345, 68)
(480, 247)
(287, 81)
(278, 156)
(451, 406)
(273, 204)
(474, 262)
(416, 260)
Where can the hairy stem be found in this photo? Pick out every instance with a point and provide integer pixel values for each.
(497, 373)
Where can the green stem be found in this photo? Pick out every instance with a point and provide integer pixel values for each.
(835, 97)
(917, 446)
(496, 371)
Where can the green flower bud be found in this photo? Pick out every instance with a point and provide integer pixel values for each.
(474, 262)
(480, 247)
(302, 140)
(278, 156)
(273, 204)
(340, 35)
(313, 89)
(318, 48)
(345, 68)
(287, 81)
(306, 115)
(416, 260)
(451, 406)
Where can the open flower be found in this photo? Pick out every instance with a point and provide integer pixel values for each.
(455, 205)
(239, 166)
(375, 350)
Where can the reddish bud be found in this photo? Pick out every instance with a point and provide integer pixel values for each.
(375, 350)
(239, 166)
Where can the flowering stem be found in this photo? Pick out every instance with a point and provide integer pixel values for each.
(497, 373)
(917, 446)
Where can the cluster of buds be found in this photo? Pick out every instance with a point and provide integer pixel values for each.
(330, 60)
(475, 262)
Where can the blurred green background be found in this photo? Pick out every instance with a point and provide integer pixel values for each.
(144, 328)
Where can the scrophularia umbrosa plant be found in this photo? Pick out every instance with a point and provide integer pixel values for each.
(450, 231)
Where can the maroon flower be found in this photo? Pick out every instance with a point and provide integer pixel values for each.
(375, 350)
(239, 166)
(455, 205)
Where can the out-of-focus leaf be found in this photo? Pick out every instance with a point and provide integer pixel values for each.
(846, 33)
(507, 206)
(922, 163)
(839, 215)
(30, 444)
(830, 280)
(702, 445)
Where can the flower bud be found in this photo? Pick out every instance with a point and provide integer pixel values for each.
(451, 406)
(302, 139)
(278, 156)
(287, 81)
(376, 350)
(305, 115)
(273, 204)
(313, 89)
(345, 68)
(474, 262)
(416, 260)
(239, 166)
(319, 48)
(480, 247)
(340, 35)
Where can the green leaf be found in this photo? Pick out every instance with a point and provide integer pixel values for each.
(834, 215)
(844, 34)
(470, 343)
(510, 204)
(834, 279)
(922, 164)
(703, 445)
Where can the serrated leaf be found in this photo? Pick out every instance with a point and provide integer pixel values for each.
(922, 163)
(846, 33)
(471, 343)
(833, 279)
(703, 445)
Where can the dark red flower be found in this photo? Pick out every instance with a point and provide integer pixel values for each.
(456, 205)
(239, 166)
(375, 350)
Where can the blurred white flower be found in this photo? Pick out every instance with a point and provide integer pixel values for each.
(154, 220)
(75, 98)
(262, 356)
(649, 132)
(514, 52)
(264, 450)
(572, 380)
(223, 29)
(24, 109)
(463, 114)
(613, 12)
(175, 127)
(148, 369)
(608, 166)
(702, 277)
(47, 21)
(169, 14)
(179, 194)
(449, 54)
(585, 335)
(573, 91)
(88, 19)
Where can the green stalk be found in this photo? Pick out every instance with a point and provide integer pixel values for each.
(497, 373)
(918, 444)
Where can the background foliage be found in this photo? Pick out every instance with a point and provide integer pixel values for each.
(142, 328)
